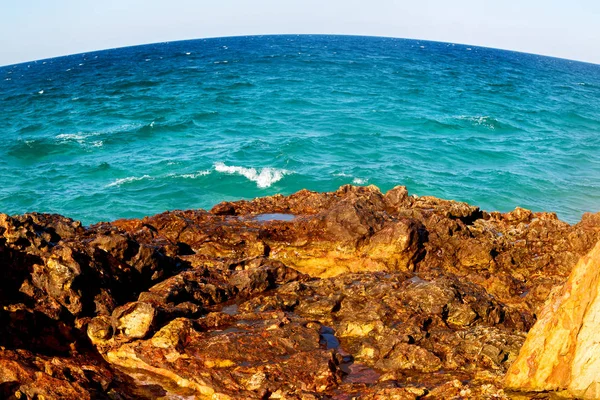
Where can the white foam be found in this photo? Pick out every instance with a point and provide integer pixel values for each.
(71, 136)
(479, 120)
(121, 181)
(78, 137)
(194, 176)
(41, 92)
(359, 181)
(263, 178)
(188, 53)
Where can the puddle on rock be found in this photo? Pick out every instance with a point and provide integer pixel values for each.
(328, 338)
(274, 217)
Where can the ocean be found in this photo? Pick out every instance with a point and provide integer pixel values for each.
(136, 131)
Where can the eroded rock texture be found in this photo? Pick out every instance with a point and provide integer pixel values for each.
(349, 294)
(562, 351)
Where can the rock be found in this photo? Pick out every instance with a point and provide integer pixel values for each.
(219, 363)
(173, 335)
(100, 329)
(359, 295)
(407, 356)
(561, 352)
(397, 198)
(134, 320)
(26, 375)
(57, 277)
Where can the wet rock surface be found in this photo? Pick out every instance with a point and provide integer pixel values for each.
(341, 295)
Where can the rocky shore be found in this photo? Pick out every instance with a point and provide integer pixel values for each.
(342, 295)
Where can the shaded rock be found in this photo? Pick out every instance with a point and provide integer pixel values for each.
(26, 375)
(37, 233)
(57, 278)
(100, 329)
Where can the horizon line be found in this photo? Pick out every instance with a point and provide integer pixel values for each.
(294, 34)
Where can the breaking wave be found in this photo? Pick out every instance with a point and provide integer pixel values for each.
(263, 177)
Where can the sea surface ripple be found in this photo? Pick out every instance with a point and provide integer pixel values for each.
(135, 131)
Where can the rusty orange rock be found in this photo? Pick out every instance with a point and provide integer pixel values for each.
(347, 294)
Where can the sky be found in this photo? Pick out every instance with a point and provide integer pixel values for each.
(38, 29)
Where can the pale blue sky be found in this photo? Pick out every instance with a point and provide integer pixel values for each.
(35, 29)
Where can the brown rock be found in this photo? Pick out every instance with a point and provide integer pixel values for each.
(355, 294)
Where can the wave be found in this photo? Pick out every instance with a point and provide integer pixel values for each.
(171, 126)
(75, 137)
(82, 137)
(129, 179)
(355, 180)
(192, 176)
(32, 149)
(263, 178)
(484, 121)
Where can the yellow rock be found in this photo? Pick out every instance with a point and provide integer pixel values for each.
(562, 350)
(357, 329)
(172, 335)
(127, 358)
(219, 363)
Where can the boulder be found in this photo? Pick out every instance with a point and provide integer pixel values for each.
(562, 350)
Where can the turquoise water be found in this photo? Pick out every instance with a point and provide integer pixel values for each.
(135, 131)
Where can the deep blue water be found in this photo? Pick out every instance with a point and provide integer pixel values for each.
(135, 131)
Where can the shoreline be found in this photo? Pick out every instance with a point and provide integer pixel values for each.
(312, 295)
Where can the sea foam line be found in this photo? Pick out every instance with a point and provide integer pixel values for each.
(263, 178)
(130, 179)
(121, 181)
(193, 176)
